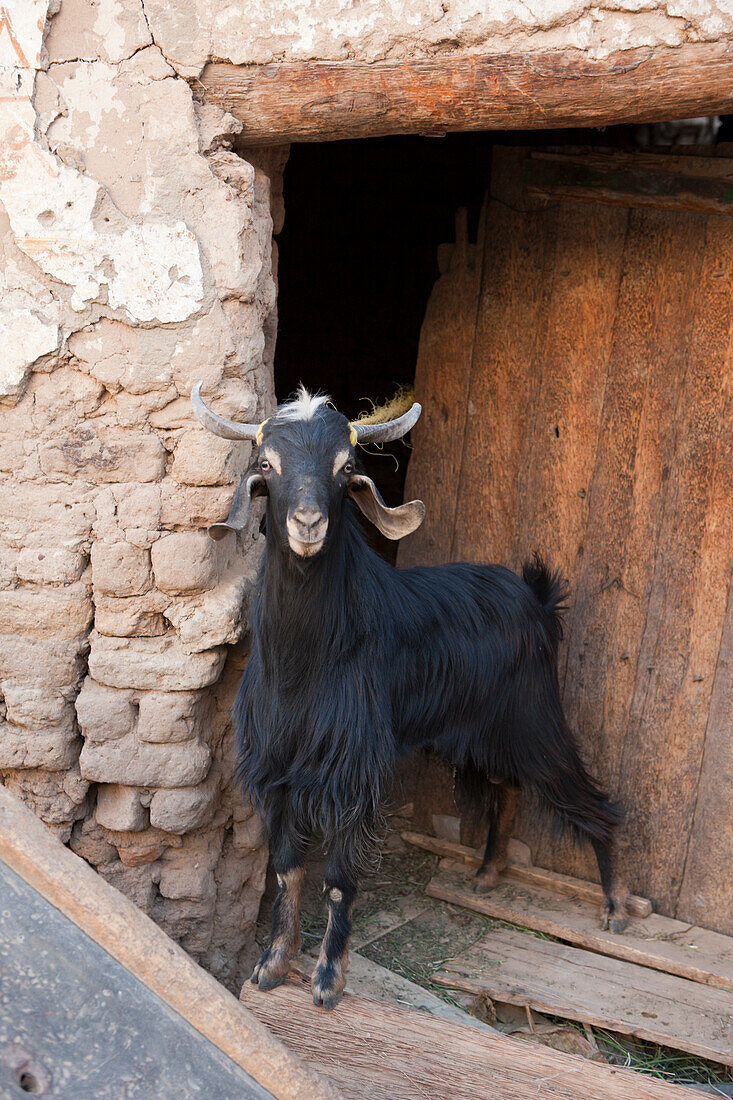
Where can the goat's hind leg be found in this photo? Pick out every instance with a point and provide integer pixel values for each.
(329, 977)
(614, 916)
(504, 810)
(274, 964)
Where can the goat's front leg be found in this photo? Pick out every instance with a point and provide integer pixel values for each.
(329, 977)
(288, 862)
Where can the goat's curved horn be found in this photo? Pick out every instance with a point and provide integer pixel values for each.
(390, 430)
(227, 429)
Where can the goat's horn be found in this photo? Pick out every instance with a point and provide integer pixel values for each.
(227, 429)
(390, 430)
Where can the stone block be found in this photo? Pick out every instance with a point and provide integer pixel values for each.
(50, 565)
(120, 569)
(120, 808)
(55, 797)
(138, 507)
(49, 662)
(185, 809)
(201, 458)
(152, 663)
(104, 713)
(192, 506)
(169, 717)
(216, 618)
(36, 706)
(131, 617)
(190, 883)
(136, 883)
(120, 356)
(46, 515)
(184, 562)
(54, 750)
(138, 764)
(108, 456)
(63, 614)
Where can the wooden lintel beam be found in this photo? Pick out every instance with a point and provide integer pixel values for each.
(327, 101)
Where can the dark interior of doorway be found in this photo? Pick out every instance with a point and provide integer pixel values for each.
(357, 262)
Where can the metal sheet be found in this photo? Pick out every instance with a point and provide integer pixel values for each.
(75, 1024)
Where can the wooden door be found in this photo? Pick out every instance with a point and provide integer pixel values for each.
(578, 393)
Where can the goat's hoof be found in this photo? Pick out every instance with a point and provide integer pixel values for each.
(486, 879)
(614, 920)
(327, 985)
(271, 970)
(618, 924)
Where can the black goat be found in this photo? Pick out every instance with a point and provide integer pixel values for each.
(354, 664)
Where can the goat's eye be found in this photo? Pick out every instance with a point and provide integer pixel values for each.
(348, 468)
(264, 464)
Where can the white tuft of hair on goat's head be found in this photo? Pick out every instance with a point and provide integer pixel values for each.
(303, 406)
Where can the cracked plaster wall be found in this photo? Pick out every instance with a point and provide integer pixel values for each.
(136, 259)
(304, 30)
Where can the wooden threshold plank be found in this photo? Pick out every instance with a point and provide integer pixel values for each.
(658, 942)
(535, 876)
(521, 969)
(371, 1050)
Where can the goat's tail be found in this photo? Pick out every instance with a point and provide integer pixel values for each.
(550, 588)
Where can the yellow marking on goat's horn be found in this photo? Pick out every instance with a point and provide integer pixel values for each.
(353, 435)
(258, 437)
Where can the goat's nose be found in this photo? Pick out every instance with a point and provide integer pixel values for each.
(308, 518)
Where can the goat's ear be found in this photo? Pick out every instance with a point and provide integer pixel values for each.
(394, 523)
(251, 486)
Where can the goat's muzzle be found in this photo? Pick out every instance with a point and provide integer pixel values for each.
(307, 529)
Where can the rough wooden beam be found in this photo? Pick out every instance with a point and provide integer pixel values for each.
(326, 101)
(372, 1050)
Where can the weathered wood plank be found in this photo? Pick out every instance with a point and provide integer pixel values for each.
(60, 1023)
(446, 337)
(519, 872)
(326, 101)
(560, 443)
(660, 943)
(375, 1051)
(565, 981)
(505, 382)
(627, 494)
(555, 177)
(669, 711)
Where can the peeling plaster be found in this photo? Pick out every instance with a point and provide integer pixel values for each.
(24, 339)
